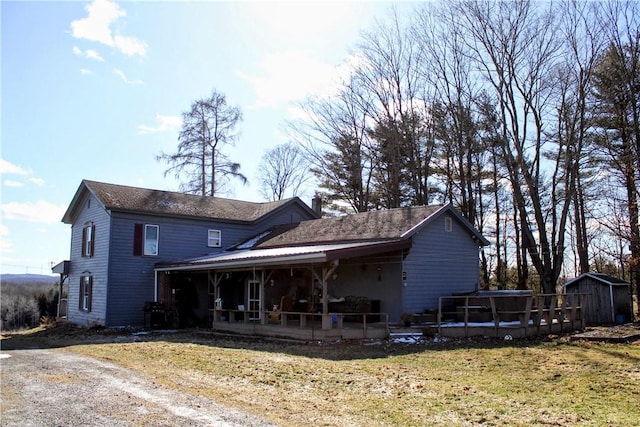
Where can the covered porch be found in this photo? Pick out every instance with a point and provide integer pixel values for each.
(320, 292)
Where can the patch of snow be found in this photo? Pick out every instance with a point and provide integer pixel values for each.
(4, 356)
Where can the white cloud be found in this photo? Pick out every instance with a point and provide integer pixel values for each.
(39, 212)
(86, 71)
(130, 45)
(92, 54)
(7, 168)
(89, 53)
(124, 78)
(12, 183)
(292, 75)
(101, 15)
(164, 123)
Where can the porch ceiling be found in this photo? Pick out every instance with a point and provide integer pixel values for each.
(315, 254)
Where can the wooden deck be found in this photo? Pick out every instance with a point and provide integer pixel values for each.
(486, 314)
(517, 316)
(302, 326)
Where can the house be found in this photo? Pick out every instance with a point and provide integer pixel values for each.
(119, 234)
(260, 268)
(609, 298)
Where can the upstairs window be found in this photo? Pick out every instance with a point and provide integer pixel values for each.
(214, 238)
(86, 291)
(88, 239)
(448, 224)
(151, 239)
(145, 239)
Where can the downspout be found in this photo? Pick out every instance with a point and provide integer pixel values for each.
(155, 286)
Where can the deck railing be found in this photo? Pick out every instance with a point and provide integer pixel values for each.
(293, 319)
(534, 314)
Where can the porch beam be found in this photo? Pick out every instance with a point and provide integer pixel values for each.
(326, 273)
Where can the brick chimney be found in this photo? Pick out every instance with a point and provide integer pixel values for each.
(316, 205)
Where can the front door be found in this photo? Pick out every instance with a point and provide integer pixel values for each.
(254, 298)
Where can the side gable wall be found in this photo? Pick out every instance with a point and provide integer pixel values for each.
(90, 210)
(293, 214)
(440, 263)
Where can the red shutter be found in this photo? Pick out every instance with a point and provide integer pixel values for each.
(137, 239)
(93, 239)
(84, 241)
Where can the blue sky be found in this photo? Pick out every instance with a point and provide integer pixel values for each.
(96, 89)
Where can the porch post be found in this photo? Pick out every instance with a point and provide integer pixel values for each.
(327, 322)
(261, 307)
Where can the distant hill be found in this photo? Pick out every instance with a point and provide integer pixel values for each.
(28, 279)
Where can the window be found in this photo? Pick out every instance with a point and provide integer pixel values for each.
(86, 285)
(214, 239)
(88, 238)
(448, 225)
(145, 239)
(151, 239)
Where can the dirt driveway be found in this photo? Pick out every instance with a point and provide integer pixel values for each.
(56, 388)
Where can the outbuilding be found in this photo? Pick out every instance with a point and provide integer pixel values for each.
(609, 298)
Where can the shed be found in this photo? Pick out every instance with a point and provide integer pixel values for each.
(609, 297)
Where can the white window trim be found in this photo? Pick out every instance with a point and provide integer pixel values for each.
(214, 242)
(85, 296)
(88, 235)
(145, 251)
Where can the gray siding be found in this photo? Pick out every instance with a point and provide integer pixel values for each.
(599, 308)
(96, 266)
(293, 215)
(440, 263)
(132, 280)
(361, 277)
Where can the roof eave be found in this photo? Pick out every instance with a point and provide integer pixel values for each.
(318, 257)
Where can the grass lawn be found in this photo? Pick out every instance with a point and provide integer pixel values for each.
(462, 382)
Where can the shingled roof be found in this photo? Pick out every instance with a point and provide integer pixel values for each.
(391, 224)
(157, 202)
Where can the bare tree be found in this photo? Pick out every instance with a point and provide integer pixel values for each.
(389, 75)
(515, 47)
(200, 163)
(336, 144)
(283, 171)
(583, 42)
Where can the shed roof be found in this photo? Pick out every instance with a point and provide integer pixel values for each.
(605, 279)
(285, 256)
(143, 200)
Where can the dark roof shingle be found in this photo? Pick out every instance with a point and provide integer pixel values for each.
(374, 225)
(143, 200)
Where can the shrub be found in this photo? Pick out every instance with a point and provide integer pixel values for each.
(23, 306)
(18, 312)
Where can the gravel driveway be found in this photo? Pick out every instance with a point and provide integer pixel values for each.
(56, 388)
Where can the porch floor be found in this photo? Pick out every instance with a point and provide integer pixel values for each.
(301, 326)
